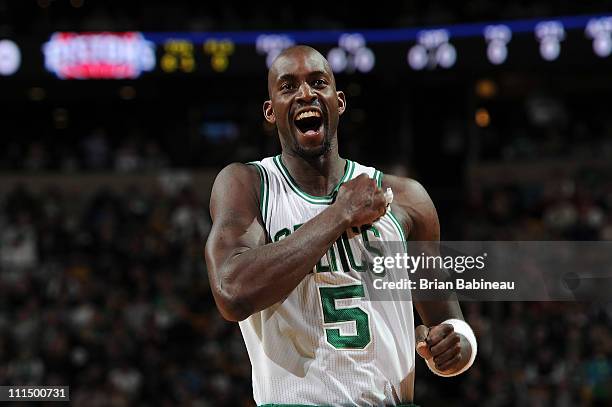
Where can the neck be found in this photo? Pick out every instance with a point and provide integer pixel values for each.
(316, 176)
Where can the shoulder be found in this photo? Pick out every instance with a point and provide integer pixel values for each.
(414, 206)
(238, 183)
(407, 190)
(238, 172)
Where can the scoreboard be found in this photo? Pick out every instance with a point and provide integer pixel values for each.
(583, 42)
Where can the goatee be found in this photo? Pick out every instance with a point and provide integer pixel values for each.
(313, 153)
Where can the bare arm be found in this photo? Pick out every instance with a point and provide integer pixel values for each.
(418, 214)
(246, 274)
(421, 219)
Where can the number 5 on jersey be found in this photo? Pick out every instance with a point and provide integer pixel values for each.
(332, 314)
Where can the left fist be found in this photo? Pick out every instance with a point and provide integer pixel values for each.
(441, 345)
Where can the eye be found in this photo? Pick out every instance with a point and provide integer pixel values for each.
(286, 86)
(319, 83)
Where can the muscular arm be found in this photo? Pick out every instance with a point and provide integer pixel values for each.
(420, 219)
(246, 274)
(418, 214)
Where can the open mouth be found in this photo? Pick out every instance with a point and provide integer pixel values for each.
(309, 122)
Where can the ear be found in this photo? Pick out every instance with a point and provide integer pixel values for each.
(269, 112)
(341, 102)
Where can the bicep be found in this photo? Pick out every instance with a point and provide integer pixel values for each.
(416, 209)
(237, 225)
(422, 213)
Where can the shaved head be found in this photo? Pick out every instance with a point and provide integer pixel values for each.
(304, 103)
(296, 51)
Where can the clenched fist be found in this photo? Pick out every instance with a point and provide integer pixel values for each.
(441, 345)
(361, 200)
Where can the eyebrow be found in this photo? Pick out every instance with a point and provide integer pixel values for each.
(318, 73)
(286, 77)
(292, 77)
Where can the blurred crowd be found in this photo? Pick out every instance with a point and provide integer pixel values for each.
(125, 148)
(573, 126)
(96, 152)
(536, 353)
(531, 354)
(108, 293)
(562, 207)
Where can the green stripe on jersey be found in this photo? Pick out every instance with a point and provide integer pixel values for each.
(264, 189)
(266, 205)
(399, 228)
(378, 178)
(317, 200)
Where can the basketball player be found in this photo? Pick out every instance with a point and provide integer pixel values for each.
(281, 259)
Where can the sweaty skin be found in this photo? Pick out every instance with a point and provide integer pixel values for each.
(238, 247)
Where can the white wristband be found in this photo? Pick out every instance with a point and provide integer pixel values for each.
(461, 327)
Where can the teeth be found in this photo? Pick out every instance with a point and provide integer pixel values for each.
(310, 113)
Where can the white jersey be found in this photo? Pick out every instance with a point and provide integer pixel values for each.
(327, 343)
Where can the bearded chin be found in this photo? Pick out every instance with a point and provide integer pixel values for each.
(313, 152)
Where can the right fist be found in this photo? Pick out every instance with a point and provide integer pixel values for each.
(361, 200)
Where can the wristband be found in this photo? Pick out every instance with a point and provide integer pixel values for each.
(461, 327)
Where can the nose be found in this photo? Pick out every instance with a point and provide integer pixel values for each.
(306, 93)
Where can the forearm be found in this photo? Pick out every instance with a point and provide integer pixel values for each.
(435, 312)
(257, 278)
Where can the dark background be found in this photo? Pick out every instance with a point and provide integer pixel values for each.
(105, 183)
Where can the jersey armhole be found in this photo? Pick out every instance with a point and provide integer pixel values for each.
(378, 176)
(264, 190)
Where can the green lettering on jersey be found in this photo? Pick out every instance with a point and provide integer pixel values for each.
(281, 234)
(333, 266)
(342, 244)
(375, 251)
(329, 295)
(351, 257)
(332, 314)
(343, 257)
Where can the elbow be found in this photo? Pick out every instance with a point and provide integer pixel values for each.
(233, 312)
(231, 294)
(232, 304)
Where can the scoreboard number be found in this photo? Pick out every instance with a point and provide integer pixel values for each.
(219, 51)
(178, 56)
